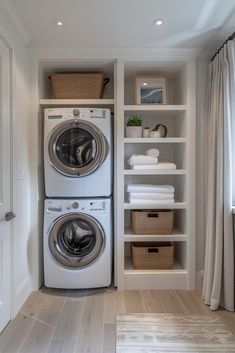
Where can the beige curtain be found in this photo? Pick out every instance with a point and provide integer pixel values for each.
(218, 286)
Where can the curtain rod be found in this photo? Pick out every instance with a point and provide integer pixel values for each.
(225, 42)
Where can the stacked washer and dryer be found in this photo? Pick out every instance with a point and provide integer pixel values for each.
(78, 206)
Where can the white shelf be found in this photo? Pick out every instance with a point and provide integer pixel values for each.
(155, 172)
(155, 280)
(152, 107)
(56, 102)
(139, 206)
(176, 235)
(155, 140)
(175, 278)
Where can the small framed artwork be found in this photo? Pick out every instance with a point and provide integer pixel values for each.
(150, 90)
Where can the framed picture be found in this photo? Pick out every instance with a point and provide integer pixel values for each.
(150, 90)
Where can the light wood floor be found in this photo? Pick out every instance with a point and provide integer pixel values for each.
(81, 321)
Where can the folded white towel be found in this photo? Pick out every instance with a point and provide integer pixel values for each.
(152, 196)
(161, 166)
(142, 159)
(149, 188)
(153, 152)
(131, 200)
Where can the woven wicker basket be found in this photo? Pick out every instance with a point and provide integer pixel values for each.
(152, 255)
(78, 85)
(152, 221)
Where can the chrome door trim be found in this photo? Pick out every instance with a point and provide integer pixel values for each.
(69, 261)
(101, 153)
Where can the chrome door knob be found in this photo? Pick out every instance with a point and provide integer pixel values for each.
(9, 216)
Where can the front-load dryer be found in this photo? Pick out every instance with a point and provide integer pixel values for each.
(77, 243)
(77, 152)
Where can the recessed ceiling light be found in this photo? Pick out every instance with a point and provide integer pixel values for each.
(58, 22)
(158, 22)
(145, 84)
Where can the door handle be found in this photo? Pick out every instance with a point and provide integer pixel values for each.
(9, 216)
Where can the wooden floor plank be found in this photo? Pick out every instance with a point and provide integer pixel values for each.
(91, 334)
(191, 301)
(69, 321)
(51, 309)
(170, 302)
(62, 346)
(14, 336)
(151, 301)
(34, 303)
(134, 302)
(114, 303)
(38, 339)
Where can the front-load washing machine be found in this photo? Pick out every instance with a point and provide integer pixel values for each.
(77, 152)
(77, 243)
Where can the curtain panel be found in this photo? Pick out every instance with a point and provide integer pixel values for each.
(218, 286)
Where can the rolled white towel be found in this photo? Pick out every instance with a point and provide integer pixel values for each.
(160, 165)
(149, 188)
(141, 159)
(153, 152)
(153, 196)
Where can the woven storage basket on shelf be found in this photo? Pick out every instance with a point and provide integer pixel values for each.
(78, 85)
(152, 255)
(152, 221)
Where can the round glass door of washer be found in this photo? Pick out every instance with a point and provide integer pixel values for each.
(77, 148)
(76, 240)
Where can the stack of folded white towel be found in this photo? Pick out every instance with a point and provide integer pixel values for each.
(149, 160)
(151, 193)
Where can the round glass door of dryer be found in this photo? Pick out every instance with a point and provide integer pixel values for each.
(77, 148)
(76, 240)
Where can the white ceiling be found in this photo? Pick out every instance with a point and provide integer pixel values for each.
(124, 23)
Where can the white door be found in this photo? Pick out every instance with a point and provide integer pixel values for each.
(5, 182)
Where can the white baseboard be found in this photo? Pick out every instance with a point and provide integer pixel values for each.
(199, 279)
(20, 295)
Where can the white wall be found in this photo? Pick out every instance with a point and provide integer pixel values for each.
(21, 227)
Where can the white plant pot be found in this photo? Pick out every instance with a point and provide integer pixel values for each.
(134, 131)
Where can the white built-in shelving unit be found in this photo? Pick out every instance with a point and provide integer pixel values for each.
(178, 147)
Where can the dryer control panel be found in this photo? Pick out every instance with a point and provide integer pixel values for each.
(81, 205)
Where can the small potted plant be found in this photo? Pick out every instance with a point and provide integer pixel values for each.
(134, 126)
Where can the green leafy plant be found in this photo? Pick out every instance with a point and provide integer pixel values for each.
(134, 120)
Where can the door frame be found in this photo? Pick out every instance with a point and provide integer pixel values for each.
(11, 126)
